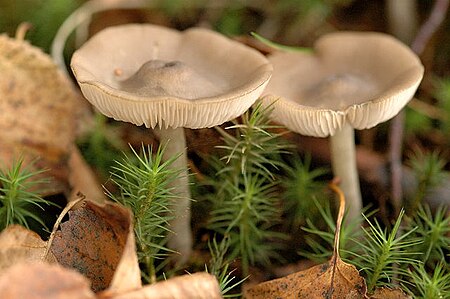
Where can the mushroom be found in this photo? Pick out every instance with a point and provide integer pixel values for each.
(352, 80)
(169, 80)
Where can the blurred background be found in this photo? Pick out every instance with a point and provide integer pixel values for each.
(424, 152)
(289, 22)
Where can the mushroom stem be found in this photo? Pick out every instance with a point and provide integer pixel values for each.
(343, 160)
(175, 144)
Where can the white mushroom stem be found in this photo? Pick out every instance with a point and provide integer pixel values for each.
(343, 159)
(174, 141)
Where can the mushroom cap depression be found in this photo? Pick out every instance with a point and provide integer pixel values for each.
(156, 76)
(360, 78)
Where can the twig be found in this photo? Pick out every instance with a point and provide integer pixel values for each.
(334, 259)
(334, 186)
(22, 30)
(427, 30)
(427, 109)
(425, 33)
(80, 16)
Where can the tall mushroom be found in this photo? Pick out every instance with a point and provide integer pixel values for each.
(170, 80)
(352, 80)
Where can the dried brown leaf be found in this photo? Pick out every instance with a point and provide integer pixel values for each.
(18, 244)
(387, 293)
(37, 103)
(193, 286)
(334, 279)
(127, 276)
(316, 282)
(82, 179)
(43, 281)
(39, 112)
(93, 241)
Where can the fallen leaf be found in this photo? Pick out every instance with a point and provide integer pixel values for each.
(388, 293)
(37, 103)
(82, 179)
(333, 279)
(192, 286)
(98, 241)
(93, 241)
(43, 281)
(18, 244)
(127, 276)
(40, 111)
(315, 282)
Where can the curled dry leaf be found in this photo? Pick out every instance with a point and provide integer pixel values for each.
(18, 244)
(39, 112)
(37, 106)
(329, 280)
(82, 179)
(192, 286)
(333, 279)
(127, 275)
(25, 249)
(43, 281)
(94, 241)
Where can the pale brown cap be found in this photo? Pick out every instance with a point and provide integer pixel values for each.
(156, 76)
(362, 78)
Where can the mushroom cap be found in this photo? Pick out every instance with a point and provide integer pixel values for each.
(152, 75)
(360, 78)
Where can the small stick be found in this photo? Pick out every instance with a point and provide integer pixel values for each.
(396, 133)
(335, 188)
(427, 30)
(427, 109)
(22, 30)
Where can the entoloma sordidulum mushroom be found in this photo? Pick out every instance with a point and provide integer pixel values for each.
(352, 80)
(170, 80)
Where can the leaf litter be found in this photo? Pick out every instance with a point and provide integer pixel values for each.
(40, 116)
(95, 251)
(333, 279)
(18, 245)
(93, 240)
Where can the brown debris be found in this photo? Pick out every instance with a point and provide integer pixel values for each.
(93, 241)
(191, 286)
(333, 279)
(43, 281)
(40, 113)
(387, 293)
(18, 245)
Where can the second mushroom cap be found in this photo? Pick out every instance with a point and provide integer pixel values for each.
(360, 78)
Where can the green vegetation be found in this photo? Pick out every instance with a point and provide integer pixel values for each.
(245, 206)
(261, 193)
(219, 266)
(20, 195)
(303, 190)
(143, 181)
(410, 253)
